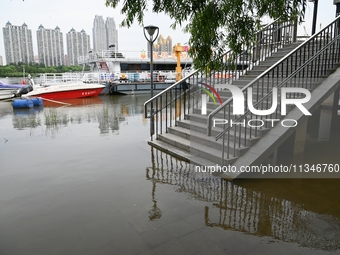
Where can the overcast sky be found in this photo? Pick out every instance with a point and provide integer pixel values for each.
(79, 14)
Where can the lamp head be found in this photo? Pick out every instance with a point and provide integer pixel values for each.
(151, 29)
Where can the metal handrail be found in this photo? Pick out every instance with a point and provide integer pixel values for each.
(165, 91)
(281, 84)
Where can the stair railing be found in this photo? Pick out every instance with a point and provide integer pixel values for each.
(304, 67)
(181, 98)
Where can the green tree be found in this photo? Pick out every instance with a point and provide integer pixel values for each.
(16, 70)
(214, 25)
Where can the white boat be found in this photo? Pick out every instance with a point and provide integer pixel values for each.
(65, 86)
(132, 75)
(7, 91)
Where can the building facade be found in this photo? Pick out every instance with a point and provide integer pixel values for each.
(99, 34)
(78, 44)
(162, 48)
(18, 44)
(50, 46)
(111, 34)
(104, 34)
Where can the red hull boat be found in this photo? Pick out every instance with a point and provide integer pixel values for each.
(56, 92)
(65, 88)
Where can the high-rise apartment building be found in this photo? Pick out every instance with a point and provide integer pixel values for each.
(111, 33)
(50, 46)
(78, 44)
(18, 44)
(104, 34)
(163, 47)
(99, 34)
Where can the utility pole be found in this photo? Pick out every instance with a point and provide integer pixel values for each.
(315, 14)
(337, 3)
(337, 13)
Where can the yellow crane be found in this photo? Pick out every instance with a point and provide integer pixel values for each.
(178, 49)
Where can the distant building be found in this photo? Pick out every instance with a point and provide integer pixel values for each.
(111, 34)
(99, 34)
(66, 60)
(105, 34)
(18, 44)
(163, 47)
(50, 46)
(1, 62)
(78, 44)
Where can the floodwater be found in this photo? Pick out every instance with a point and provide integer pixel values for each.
(81, 179)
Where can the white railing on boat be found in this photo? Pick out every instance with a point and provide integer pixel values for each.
(108, 55)
(48, 79)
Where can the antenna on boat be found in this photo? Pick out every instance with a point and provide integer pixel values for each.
(30, 80)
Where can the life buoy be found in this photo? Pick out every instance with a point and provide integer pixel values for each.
(160, 78)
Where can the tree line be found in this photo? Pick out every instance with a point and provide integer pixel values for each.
(34, 69)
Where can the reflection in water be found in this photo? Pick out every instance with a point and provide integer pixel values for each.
(108, 112)
(109, 120)
(279, 208)
(27, 118)
(154, 213)
(5, 109)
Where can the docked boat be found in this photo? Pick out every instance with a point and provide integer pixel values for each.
(132, 75)
(65, 86)
(7, 91)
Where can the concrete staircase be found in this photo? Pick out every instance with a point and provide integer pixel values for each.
(182, 131)
(188, 139)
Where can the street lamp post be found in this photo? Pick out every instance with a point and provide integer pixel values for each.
(337, 13)
(151, 39)
(315, 14)
(337, 4)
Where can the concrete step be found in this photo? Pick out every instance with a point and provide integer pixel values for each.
(196, 149)
(302, 82)
(210, 141)
(201, 128)
(195, 160)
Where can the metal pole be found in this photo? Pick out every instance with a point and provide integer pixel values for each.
(152, 127)
(151, 30)
(315, 14)
(337, 13)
